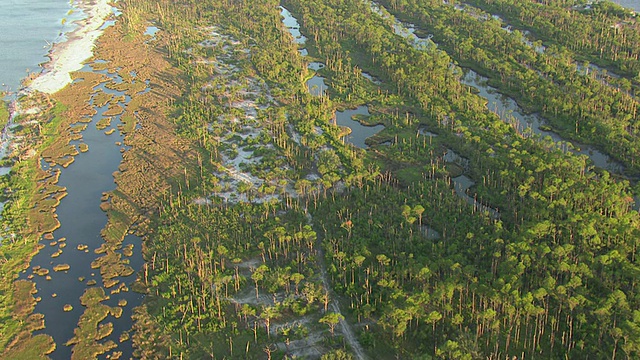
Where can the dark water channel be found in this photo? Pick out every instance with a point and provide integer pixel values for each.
(405, 30)
(81, 222)
(509, 111)
(507, 108)
(462, 183)
(315, 84)
(317, 87)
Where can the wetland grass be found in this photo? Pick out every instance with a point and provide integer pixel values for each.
(103, 123)
(114, 109)
(101, 98)
(90, 330)
(31, 348)
(47, 133)
(42, 272)
(4, 114)
(128, 250)
(61, 267)
(24, 345)
(138, 190)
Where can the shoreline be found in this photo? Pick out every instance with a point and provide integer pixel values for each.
(69, 55)
(51, 84)
(65, 57)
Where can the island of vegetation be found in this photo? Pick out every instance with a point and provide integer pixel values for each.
(454, 229)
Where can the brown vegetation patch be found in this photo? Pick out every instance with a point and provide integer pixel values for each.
(24, 302)
(76, 96)
(109, 283)
(111, 266)
(155, 159)
(24, 345)
(46, 197)
(155, 147)
(104, 330)
(61, 267)
(118, 99)
(103, 123)
(114, 110)
(128, 250)
(77, 129)
(101, 98)
(105, 206)
(89, 330)
(31, 347)
(124, 337)
(42, 272)
(121, 288)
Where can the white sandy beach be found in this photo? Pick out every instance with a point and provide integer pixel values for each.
(69, 56)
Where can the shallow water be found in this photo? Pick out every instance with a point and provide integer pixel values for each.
(461, 184)
(151, 31)
(631, 4)
(315, 66)
(405, 30)
(316, 86)
(81, 222)
(359, 133)
(371, 78)
(509, 111)
(292, 25)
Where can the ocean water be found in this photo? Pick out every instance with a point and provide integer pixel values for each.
(631, 4)
(27, 28)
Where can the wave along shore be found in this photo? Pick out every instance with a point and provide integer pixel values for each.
(65, 57)
(69, 55)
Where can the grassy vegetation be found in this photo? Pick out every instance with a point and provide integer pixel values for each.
(261, 224)
(31, 348)
(24, 345)
(87, 336)
(29, 214)
(4, 114)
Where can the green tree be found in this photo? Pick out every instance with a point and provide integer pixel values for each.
(331, 319)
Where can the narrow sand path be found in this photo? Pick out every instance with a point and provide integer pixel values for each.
(344, 327)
